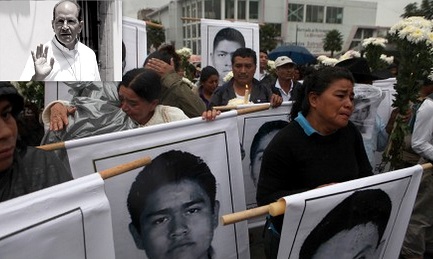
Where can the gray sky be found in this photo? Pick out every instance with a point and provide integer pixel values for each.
(388, 11)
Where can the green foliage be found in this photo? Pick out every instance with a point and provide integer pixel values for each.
(333, 41)
(373, 53)
(415, 64)
(32, 92)
(425, 9)
(268, 36)
(155, 36)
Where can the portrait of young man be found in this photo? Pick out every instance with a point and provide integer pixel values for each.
(173, 207)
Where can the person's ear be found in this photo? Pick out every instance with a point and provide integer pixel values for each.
(312, 98)
(136, 236)
(81, 24)
(52, 25)
(154, 103)
(216, 211)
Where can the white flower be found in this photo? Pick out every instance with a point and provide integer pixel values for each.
(330, 62)
(350, 54)
(374, 41)
(388, 60)
(415, 29)
(184, 52)
(321, 58)
(271, 64)
(228, 76)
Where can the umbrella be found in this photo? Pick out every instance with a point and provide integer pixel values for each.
(300, 55)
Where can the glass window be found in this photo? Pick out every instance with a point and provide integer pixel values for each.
(296, 13)
(194, 31)
(199, 11)
(314, 13)
(368, 33)
(212, 9)
(334, 15)
(254, 10)
(242, 9)
(194, 10)
(230, 9)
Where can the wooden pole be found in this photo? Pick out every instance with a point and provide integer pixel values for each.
(52, 146)
(274, 209)
(105, 174)
(255, 108)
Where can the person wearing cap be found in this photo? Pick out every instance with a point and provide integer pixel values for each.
(284, 84)
(23, 169)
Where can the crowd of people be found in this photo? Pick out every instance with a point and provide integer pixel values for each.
(301, 155)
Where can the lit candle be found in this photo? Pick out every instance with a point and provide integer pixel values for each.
(246, 95)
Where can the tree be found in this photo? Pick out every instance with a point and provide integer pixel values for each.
(425, 9)
(268, 36)
(333, 41)
(155, 35)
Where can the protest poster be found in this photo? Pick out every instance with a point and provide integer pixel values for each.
(371, 214)
(134, 36)
(221, 38)
(216, 143)
(68, 220)
(256, 130)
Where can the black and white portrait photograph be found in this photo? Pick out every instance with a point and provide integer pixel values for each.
(62, 40)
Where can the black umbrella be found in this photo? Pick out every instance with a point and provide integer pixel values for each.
(300, 55)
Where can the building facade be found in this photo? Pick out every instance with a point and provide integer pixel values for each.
(300, 22)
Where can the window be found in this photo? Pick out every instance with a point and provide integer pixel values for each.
(199, 11)
(212, 9)
(296, 13)
(334, 15)
(242, 9)
(254, 9)
(230, 9)
(314, 13)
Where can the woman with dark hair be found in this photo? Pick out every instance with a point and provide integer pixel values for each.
(23, 169)
(320, 146)
(207, 84)
(136, 104)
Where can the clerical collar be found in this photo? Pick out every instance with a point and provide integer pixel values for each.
(63, 47)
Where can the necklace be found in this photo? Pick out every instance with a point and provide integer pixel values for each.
(73, 70)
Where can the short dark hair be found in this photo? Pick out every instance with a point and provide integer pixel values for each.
(361, 207)
(245, 53)
(170, 167)
(10, 93)
(317, 82)
(264, 130)
(165, 53)
(229, 34)
(145, 82)
(71, 1)
(207, 72)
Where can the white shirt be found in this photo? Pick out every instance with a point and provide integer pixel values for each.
(286, 96)
(422, 136)
(78, 64)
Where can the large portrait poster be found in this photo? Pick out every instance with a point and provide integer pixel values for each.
(364, 217)
(256, 130)
(221, 38)
(215, 143)
(68, 220)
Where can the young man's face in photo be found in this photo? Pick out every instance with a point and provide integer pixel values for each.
(257, 161)
(222, 55)
(358, 243)
(66, 25)
(178, 221)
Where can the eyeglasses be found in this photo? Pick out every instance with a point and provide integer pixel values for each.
(65, 21)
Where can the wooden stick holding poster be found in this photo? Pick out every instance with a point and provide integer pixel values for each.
(274, 209)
